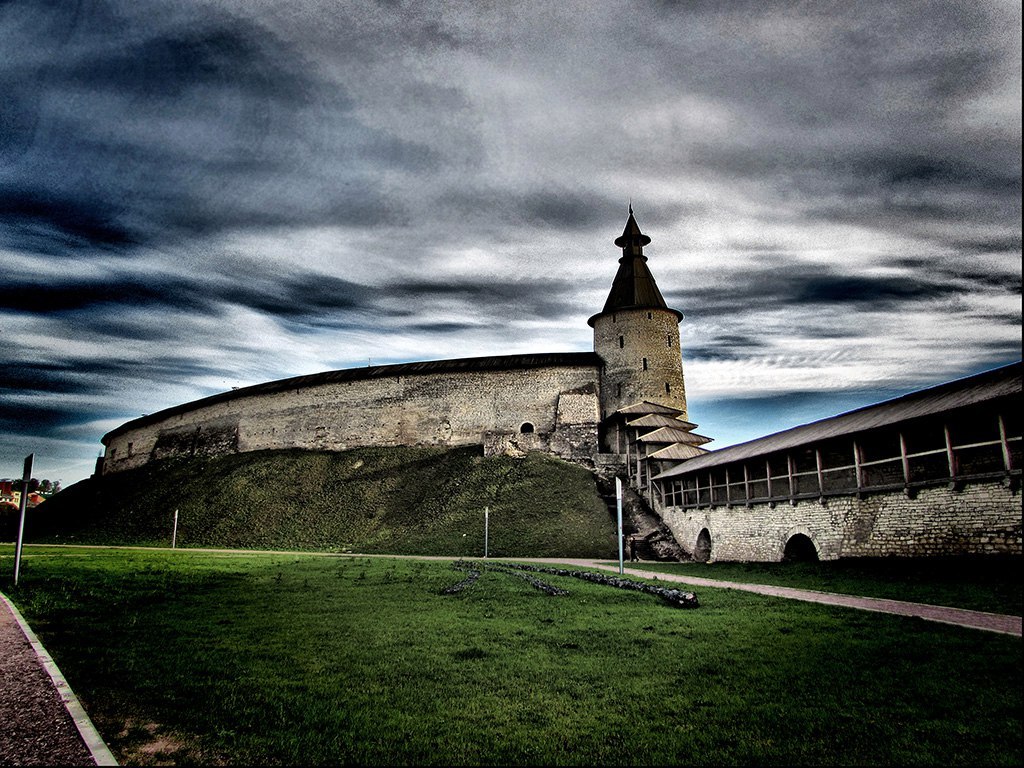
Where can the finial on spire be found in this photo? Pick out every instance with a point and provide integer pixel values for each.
(631, 206)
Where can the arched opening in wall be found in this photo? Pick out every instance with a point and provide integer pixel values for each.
(800, 549)
(702, 550)
(526, 428)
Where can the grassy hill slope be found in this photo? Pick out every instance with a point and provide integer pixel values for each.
(385, 500)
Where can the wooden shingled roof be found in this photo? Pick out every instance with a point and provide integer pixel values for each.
(654, 420)
(677, 452)
(670, 435)
(1002, 382)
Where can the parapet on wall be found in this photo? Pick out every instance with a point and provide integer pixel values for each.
(504, 403)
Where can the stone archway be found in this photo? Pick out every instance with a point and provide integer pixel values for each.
(702, 549)
(800, 549)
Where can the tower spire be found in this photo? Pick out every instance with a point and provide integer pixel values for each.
(633, 286)
(637, 334)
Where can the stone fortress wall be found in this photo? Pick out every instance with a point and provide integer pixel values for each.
(506, 404)
(981, 519)
(633, 383)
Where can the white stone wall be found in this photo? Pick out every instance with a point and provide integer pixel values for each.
(417, 409)
(983, 518)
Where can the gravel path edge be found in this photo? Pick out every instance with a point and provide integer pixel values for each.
(101, 754)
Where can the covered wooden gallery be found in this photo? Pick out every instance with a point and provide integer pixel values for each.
(966, 431)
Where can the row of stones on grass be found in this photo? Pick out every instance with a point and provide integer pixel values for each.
(474, 570)
(675, 597)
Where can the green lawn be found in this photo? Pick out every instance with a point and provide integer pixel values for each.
(191, 657)
(994, 584)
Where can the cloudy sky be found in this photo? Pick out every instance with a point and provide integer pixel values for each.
(201, 195)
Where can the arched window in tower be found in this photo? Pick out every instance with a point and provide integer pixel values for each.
(645, 363)
(622, 342)
(526, 428)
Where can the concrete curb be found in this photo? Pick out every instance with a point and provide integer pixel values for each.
(93, 741)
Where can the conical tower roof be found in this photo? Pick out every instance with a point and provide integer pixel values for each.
(634, 286)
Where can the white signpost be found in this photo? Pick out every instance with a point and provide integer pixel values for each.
(23, 506)
(487, 523)
(174, 532)
(618, 507)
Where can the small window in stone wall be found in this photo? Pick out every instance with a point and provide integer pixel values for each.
(130, 447)
(618, 390)
(645, 363)
(668, 338)
(649, 316)
(622, 342)
(668, 388)
(526, 428)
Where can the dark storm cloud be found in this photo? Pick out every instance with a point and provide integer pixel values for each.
(804, 286)
(723, 347)
(205, 193)
(542, 298)
(55, 298)
(42, 421)
(289, 295)
(570, 209)
(127, 132)
(71, 378)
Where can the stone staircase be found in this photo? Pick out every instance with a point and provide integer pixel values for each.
(652, 538)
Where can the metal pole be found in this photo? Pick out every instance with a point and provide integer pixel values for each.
(487, 520)
(26, 476)
(618, 506)
(174, 534)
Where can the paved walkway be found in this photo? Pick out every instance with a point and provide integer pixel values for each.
(36, 727)
(41, 721)
(992, 622)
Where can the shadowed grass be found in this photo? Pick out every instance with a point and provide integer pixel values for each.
(326, 660)
(397, 500)
(990, 583)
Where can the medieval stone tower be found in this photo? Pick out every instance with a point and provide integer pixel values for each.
(637, 335)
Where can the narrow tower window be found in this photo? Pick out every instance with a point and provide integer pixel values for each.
(622, 342)
(618, 392)
(645, 363)
(668, 338)
(668, 388)
(649, 315)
